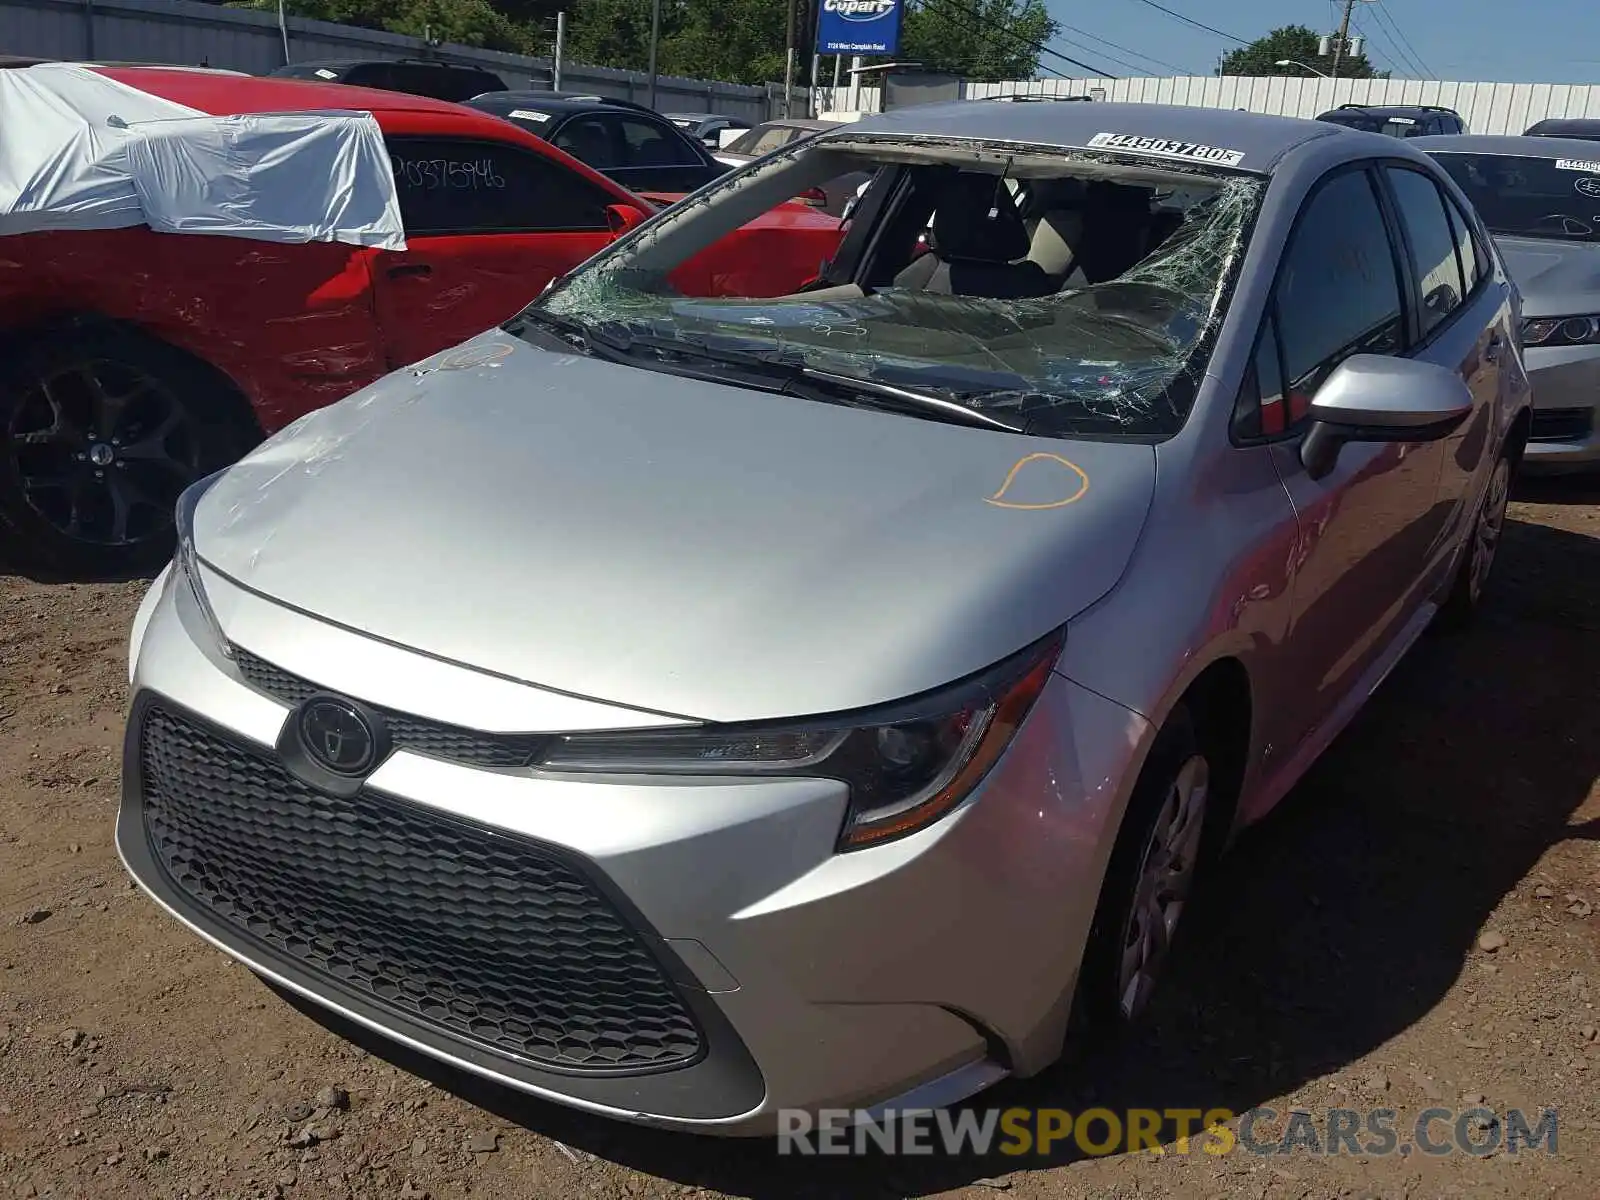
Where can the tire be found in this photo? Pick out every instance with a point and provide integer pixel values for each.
(1112, 997)
(101, 427)
(1461, 607)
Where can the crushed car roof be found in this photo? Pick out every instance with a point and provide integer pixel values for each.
(1257, 141)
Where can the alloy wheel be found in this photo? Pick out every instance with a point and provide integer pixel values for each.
(101, 451)
(1166, 877)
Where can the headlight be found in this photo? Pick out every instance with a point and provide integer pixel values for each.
(1561, 331)
(187, 561)
(906, 766)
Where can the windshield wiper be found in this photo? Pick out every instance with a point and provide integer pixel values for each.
(793, 376)
(568, 329)
(909, 398)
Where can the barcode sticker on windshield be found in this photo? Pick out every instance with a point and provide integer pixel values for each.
(324, 73)
(530, 116)
(1167, 148)
(1588, 166)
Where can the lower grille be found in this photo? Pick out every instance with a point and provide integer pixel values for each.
(1560, 424)
(416, 734)
(481, 935)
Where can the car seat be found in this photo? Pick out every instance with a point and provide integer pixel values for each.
(975, 243)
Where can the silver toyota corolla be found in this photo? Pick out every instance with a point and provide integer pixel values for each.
(1540, 198)
(689, 709)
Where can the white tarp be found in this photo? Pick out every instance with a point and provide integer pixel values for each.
(79, 150)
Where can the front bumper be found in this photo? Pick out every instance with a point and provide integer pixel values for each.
(1566, 408)
(914, 972)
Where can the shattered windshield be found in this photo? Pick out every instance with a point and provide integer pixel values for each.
(1522, 196)
(1057, 294)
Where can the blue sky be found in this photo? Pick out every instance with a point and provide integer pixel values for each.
(1532, 41)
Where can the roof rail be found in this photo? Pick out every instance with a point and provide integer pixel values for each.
(1033, 97)
(1419, 107)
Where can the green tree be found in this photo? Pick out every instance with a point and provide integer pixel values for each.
(464, 22)
(1294, 43)
(742, 41)
(738, 41)
(984, 40)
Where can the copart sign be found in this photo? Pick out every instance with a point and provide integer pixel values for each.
(859, 26)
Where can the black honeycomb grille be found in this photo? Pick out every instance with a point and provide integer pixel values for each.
(483, 936)
(411, 733)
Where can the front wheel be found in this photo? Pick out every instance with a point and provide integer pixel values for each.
(100, 429)
(1482, 548)
(1150, 880)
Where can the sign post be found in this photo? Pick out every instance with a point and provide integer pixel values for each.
(859, 27)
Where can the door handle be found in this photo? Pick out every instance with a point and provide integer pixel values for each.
(405, 269)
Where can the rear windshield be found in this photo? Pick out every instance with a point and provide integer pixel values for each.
(420, 79)
(1522, 196)
(1372, 123)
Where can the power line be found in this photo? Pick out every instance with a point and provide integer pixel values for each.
(1191, 21)
(1396, 56)
(1383, 13)
(1121, 62)
(1125, 49)
(1037, 47)
(1394, 60)
(983, 31)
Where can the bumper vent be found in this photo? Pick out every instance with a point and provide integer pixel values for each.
(1560, 424)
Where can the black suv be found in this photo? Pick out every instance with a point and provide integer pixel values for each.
(1586, 129)
(636, 146)
(414, 76)
(1397, 120)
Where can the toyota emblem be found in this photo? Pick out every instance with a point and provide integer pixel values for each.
(337, 737)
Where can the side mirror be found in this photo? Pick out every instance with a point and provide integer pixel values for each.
(623, 218)
(1376, 398)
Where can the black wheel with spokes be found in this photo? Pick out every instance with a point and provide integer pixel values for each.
(102, 428)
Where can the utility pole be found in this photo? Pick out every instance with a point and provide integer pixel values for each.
(655, 44)
(788, 65)
(560, 52)
(1344, 38)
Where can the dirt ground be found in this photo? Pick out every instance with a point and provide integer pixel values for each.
(1338, 960)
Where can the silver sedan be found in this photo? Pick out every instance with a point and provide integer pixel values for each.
(691, 709)
(1540, 198)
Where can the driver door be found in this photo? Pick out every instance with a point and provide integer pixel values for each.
(1370, 530)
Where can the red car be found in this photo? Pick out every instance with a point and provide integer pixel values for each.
(136, 361)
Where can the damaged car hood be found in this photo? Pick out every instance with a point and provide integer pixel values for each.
(686, 547)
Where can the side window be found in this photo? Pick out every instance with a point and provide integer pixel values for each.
(1263, 410)
(1433, 246)
(647, 144)
(1474, 265)
(591, 140)
(463, 186)
(1338, 288)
